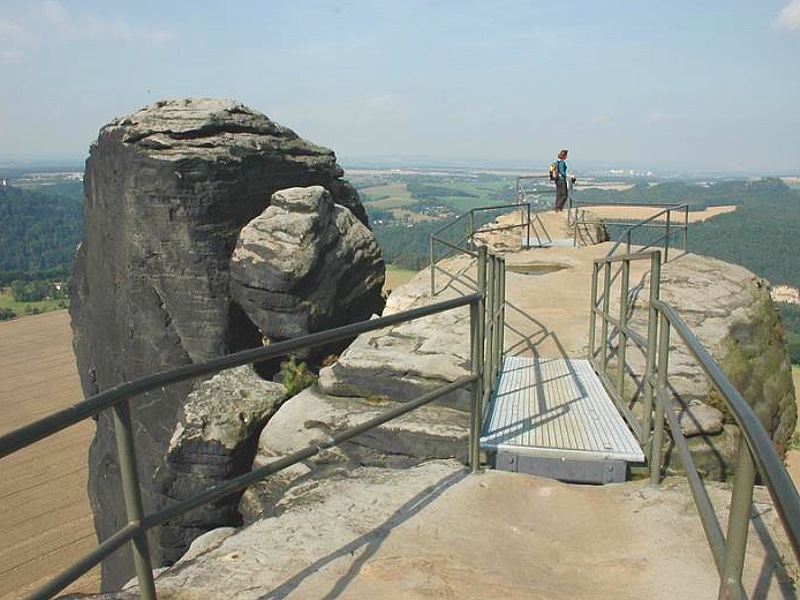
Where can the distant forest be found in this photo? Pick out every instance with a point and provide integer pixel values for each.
(39, 230)
(763, 234)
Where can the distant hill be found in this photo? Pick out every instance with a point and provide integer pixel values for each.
(763, 234)
(40, 229)
(697, 195)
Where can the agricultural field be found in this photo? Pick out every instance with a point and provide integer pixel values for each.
(8, 303)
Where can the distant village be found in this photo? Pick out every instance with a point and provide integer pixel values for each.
(784, 293)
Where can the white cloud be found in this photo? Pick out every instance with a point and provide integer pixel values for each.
(789, 17)
(10, 56)
(53, 14)
(382, 103)
(658, 117)
(9, 30)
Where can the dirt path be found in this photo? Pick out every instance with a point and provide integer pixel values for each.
(44, 508)
(639, 213)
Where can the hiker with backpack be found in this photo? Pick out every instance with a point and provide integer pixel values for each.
(558, 173)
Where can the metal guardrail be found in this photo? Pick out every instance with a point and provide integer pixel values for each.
(663, 219)
(486, 339)
(756, 451)
(462, 241)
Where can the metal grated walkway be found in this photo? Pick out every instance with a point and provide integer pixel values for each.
(552, 417)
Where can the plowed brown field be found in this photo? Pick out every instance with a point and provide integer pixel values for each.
(44, 509)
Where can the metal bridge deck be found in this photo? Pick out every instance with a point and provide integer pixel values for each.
(552, 417)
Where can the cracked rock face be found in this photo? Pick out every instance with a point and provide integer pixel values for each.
(730, 310)
(306, 264)
(168, 190)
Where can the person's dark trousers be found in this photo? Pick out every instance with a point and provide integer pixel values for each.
(561, 193)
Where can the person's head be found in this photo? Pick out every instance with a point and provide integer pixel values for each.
(562, 155)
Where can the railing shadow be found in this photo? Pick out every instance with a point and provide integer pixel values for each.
(368, 544)
(771, 572)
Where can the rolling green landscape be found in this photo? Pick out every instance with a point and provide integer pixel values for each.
(41, 226)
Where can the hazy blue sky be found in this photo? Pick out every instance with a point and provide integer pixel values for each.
(709, 85)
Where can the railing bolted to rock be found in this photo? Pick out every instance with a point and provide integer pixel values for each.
(756, 452)
(486, 344)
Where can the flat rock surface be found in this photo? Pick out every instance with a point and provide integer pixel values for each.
(436, 531)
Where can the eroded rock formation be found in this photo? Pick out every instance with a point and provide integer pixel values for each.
(305, 264)
(730, 311)
(167, 192)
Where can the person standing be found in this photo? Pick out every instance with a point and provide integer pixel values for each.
(562, 193)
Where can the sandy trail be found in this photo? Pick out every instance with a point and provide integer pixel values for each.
(639, 213)
(44, 508)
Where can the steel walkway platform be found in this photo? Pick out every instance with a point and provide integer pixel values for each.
(552, 417)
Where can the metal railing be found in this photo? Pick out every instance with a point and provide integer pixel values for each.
(486, 339)
(664, 219)
(458, 236)
(756, 452)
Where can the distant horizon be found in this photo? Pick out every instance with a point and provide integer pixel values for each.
(708, 87)
(65, 164)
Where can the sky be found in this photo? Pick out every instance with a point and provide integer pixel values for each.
(696, 85)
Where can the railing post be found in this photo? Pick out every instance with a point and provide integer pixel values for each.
(496, 342)
(133, 499)
(433, 269)
(477, 323)
(471, 226)
(652, 336)
(666, 245)
(502, 318)
(738, 523)
(529, 225)
(622, 345)
(661, 402)
(606, 306)
(593, 312)
(685, 228)
(490, 308)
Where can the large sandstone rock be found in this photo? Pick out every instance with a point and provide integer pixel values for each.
(730, 311)
(312, 417)
(306, 264)
(167, 192)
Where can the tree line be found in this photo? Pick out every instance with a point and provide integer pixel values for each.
(39, 231)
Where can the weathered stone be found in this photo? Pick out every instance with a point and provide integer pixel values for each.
(214, 441)
(167, 191)
(405, 361)
(311, 418)
(207, 542)
(305, 265)
(698, 418)
(730, 311)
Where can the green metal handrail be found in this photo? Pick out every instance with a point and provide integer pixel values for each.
(465, 244)
(670, 227)
(756, 451)
(483, 362)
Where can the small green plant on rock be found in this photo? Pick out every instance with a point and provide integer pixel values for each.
(295, 376)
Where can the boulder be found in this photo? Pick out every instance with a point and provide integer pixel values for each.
(168, 190)
(730, 311)
(312, 417)
(405, 361)
(214, 440)
(306, 264)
